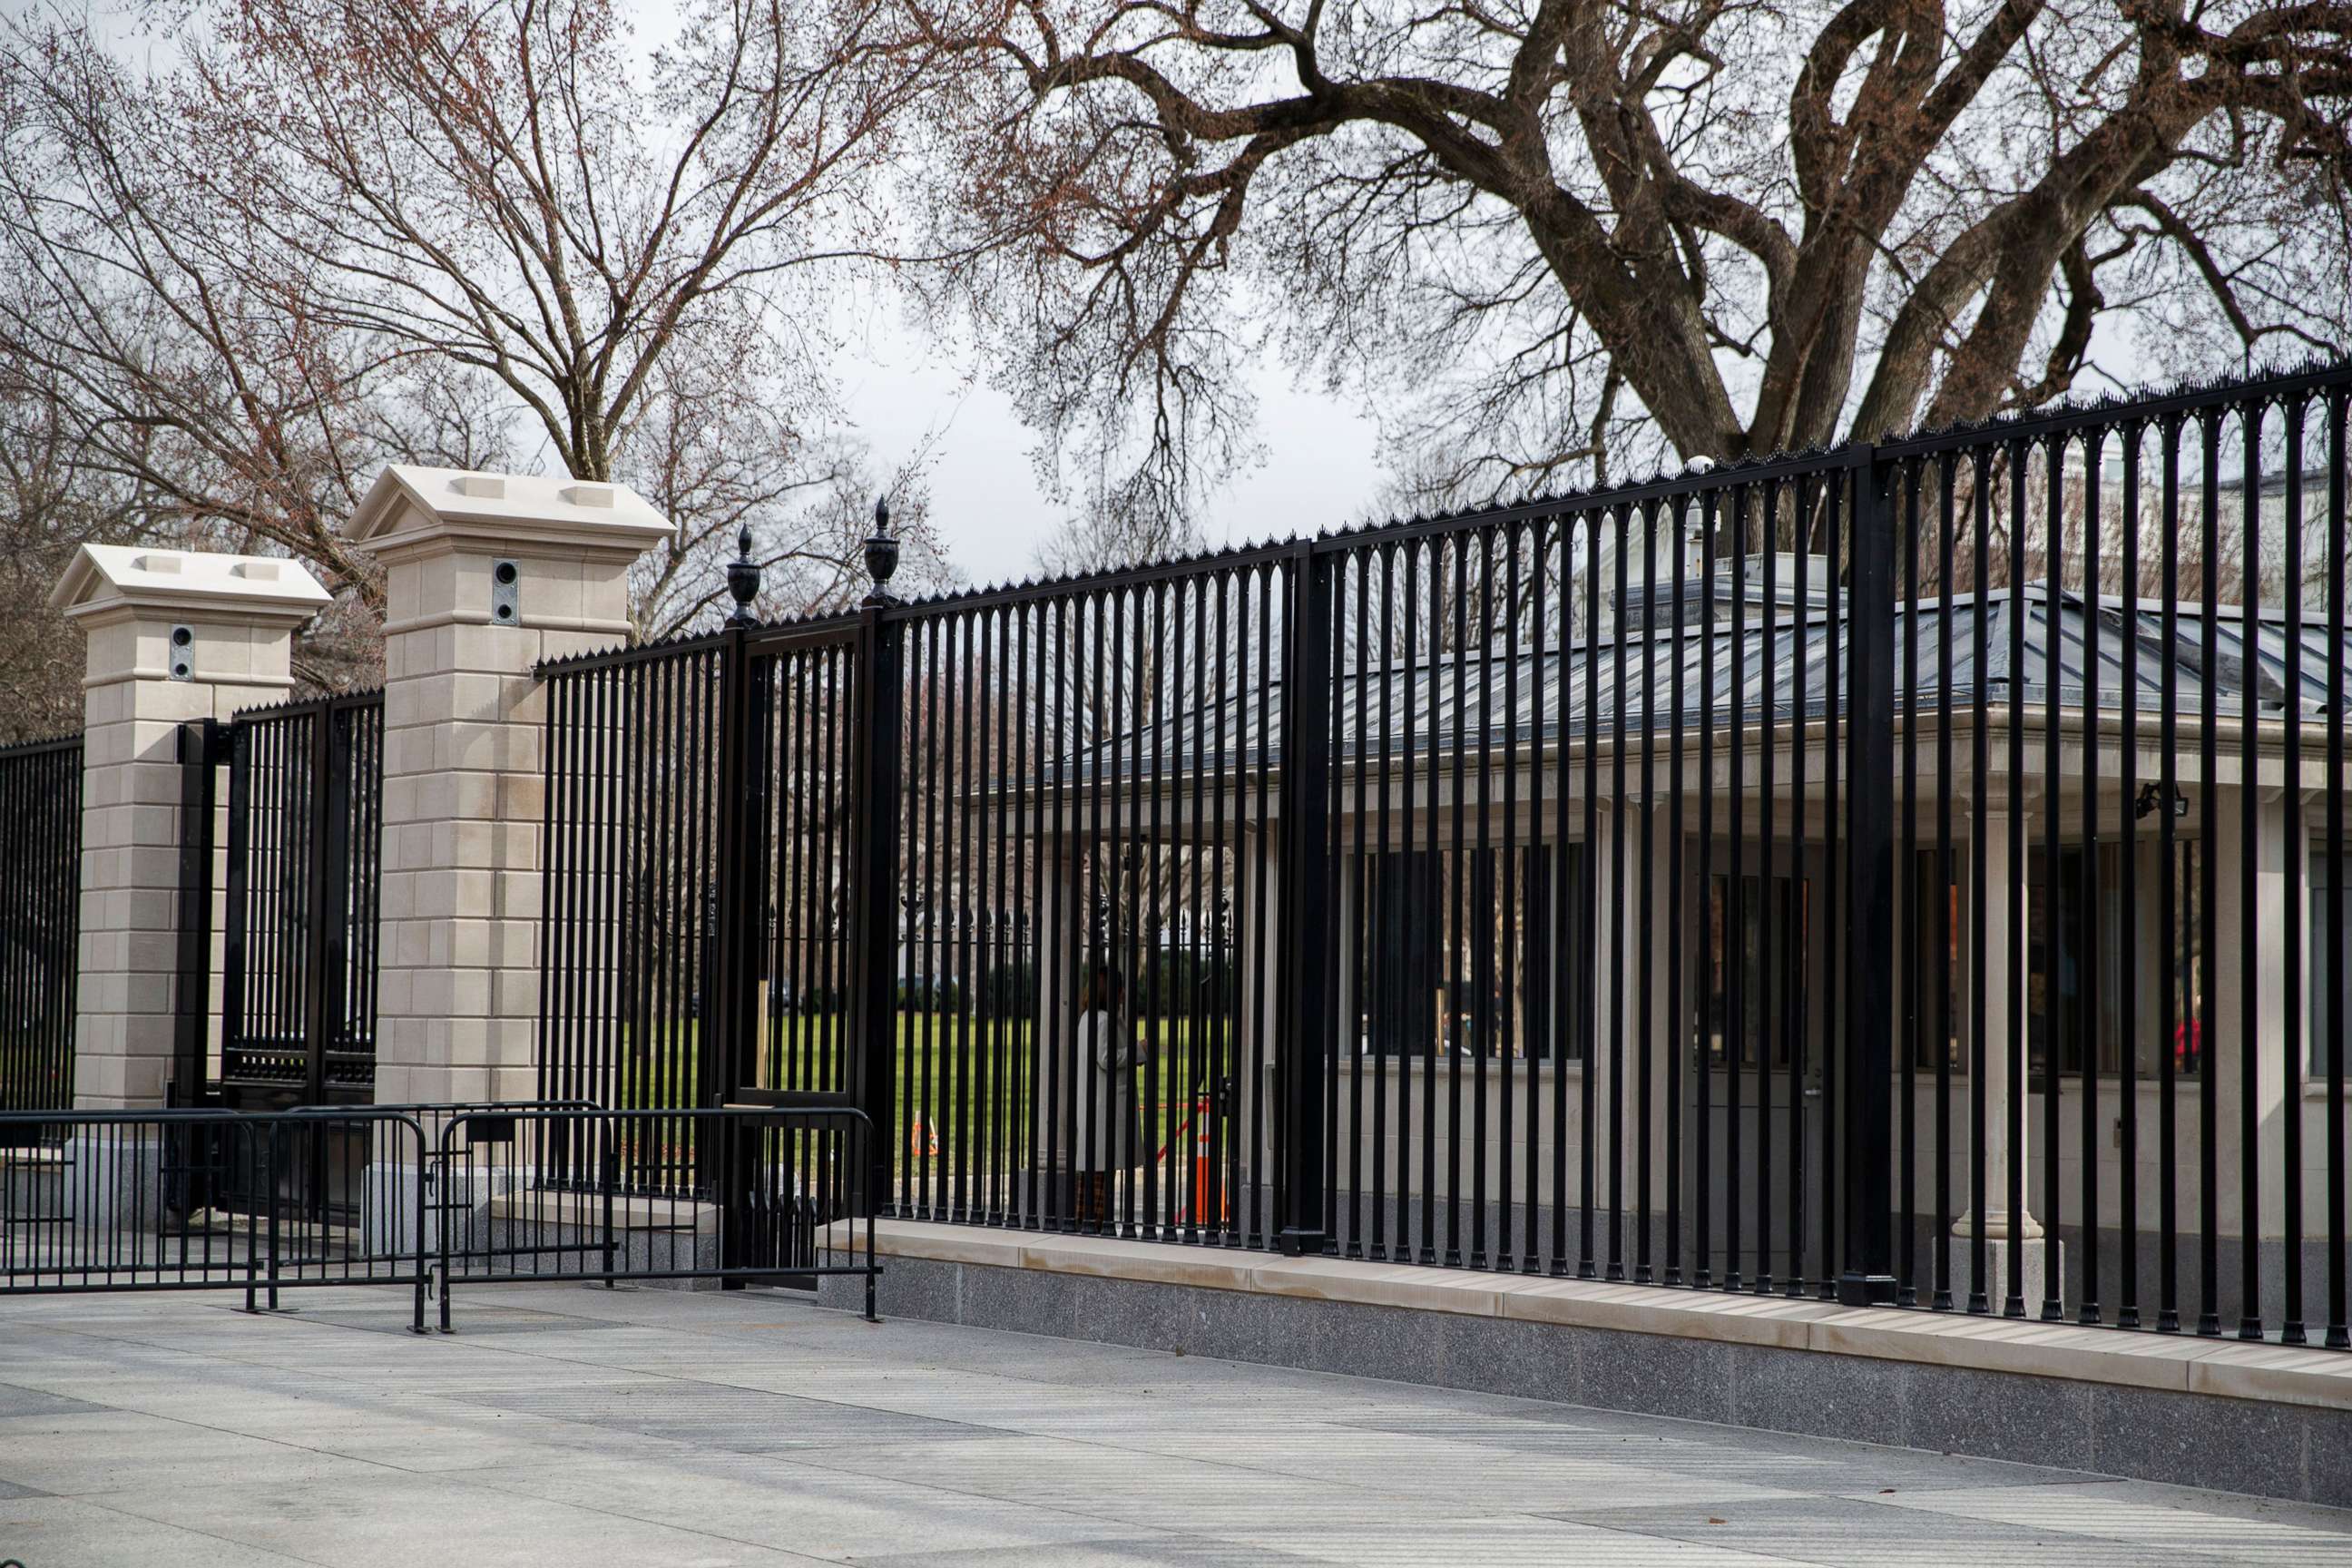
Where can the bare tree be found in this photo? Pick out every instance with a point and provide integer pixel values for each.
(48, 506)
(498, 186)
(329, 235)
(1573, 238)
(1110, 533)
(230, 410)
(717, 463)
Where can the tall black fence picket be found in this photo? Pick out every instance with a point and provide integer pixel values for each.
(40, 920)
(1908, 873)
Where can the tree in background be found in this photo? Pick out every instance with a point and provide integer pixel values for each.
(46, 509)
(1556, 239)
(328, 236)
(715, 461)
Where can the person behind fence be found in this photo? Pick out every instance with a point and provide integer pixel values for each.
(1086, 1106)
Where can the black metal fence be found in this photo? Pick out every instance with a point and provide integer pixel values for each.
(1913, 872)
(40, 920)
(1091, 903)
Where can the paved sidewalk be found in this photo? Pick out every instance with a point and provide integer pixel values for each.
(570, 1424)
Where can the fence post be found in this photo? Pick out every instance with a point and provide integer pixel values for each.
(730, 1044)
(325, 894)
(727, 1007)
(874, 879)
(1306, 790)
(1867, 1276)
(485, 575)
(174, 636)
(203, 748)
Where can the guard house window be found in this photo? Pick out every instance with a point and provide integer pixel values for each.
(2060, 962)
(1940, 966)
(1456, 956)
(2060, 933)
(1773, 987)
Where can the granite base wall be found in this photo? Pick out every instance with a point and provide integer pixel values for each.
(2295, 1452)
(1392, 1227)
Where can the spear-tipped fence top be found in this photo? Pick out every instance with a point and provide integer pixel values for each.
(881, 553)
(743, 580)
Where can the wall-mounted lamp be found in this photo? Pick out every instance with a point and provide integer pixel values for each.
(2144, 806)
(506, 594)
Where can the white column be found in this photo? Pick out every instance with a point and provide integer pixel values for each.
(172, 636)
(2255, 936)
(2005, 968)
(486, 575)
(1611, 891)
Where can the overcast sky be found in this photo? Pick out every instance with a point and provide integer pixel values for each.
(1319, 472)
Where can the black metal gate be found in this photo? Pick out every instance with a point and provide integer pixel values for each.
(40, 911)
(704, 826)
(795, 982)
(297, 890)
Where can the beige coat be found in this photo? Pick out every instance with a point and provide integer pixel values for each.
(1102, 1052)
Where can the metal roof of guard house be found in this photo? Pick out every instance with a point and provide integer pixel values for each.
(2006, 642)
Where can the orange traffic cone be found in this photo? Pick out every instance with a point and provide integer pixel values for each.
(1204, 1175)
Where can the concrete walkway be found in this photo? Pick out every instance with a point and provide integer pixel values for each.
(570, 1424)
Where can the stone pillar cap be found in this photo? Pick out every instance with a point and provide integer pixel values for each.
(410, 506)
(132, 577)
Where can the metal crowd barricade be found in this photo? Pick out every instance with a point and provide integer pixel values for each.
(544, 1193)
(117, 1201)
(205, 1198)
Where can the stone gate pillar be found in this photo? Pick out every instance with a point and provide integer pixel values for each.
(174, 636)
(486, 575)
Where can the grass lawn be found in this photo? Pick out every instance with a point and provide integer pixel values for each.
(964, 1078)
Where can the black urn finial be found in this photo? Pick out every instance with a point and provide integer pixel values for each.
(881, 553)
(743, 581)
